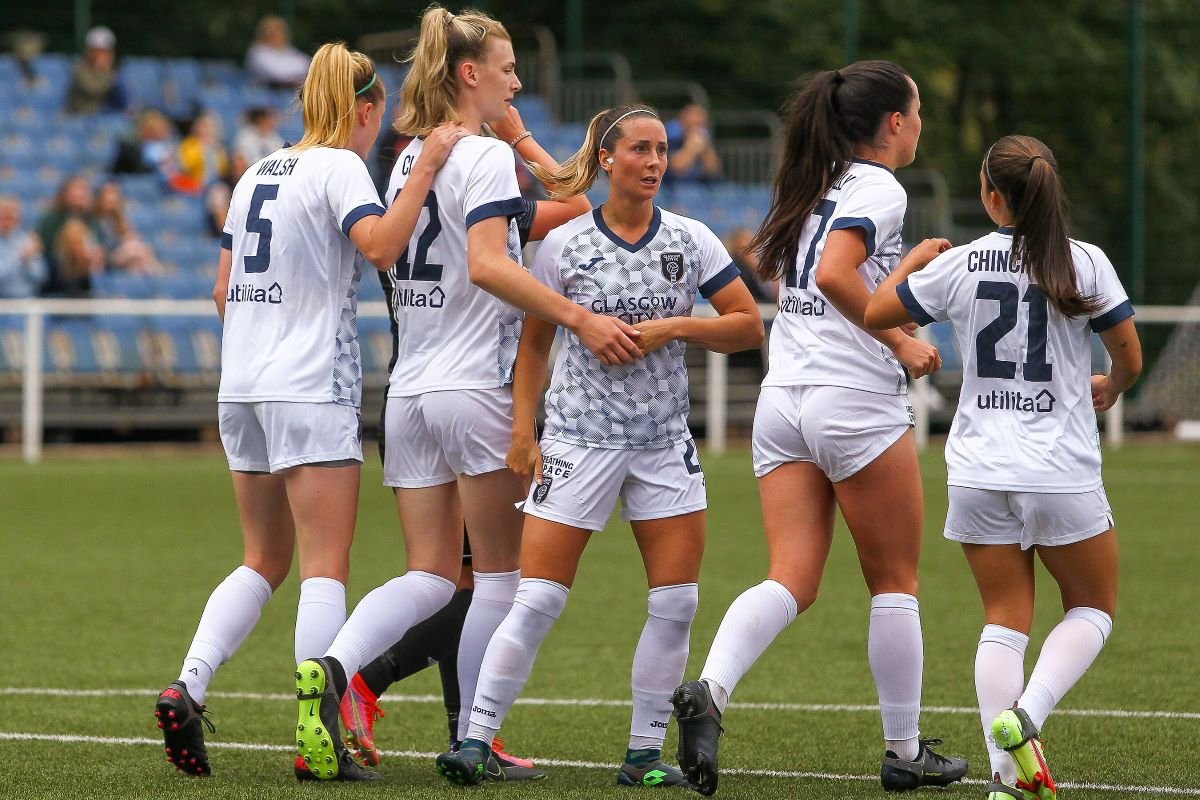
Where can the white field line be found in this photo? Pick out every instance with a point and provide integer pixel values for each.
(555, 762)
(1106, 713)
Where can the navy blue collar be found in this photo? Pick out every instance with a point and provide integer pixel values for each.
(1005, 229)
(872, 164)
(632, 247)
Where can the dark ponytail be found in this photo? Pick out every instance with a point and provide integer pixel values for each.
(833, 112)
(1023, 170)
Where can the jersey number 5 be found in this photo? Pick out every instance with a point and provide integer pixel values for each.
(1035, 367)
(420, 269)
(256, 223)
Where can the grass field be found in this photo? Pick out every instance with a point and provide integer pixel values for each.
(107, 564)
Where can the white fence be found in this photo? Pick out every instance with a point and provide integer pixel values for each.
(716, 407)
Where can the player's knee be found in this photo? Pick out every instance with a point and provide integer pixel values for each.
(676, 603)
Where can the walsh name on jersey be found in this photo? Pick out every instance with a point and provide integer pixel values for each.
(277, 167)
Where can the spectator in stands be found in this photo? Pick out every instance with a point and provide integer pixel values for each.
(95, 86)
(272, 60)
(26, 46)
(22, 264)
(151, 148)
(202, 156)
(738, 243)
(124, 249)
(77, 257)
(219, 193)
(690, 147)
(73, 202)
(257, 138)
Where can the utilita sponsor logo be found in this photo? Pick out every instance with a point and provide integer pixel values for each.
(249, 293)
(805, 308)
(414, 298)
(1041, 403)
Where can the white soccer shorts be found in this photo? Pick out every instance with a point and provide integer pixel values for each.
(985, 516)
(840, 430)
(272, 436)
(431, 438)
(580, 485)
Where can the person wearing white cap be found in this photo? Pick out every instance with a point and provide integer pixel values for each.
(95, 86)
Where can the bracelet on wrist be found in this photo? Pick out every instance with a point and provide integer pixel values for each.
(520, 136)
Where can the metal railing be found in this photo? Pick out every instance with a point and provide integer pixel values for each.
(716, 414)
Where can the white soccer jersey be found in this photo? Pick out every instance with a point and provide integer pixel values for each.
(644, 404)
(1025, 421)
(811, 342)
(290, 314)
(450, 333)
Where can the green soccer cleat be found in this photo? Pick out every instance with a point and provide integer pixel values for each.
(318, 735)
(646, 768)
(1015, 732)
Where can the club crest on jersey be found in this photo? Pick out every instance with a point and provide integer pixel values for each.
(541, 490)
(672, 266)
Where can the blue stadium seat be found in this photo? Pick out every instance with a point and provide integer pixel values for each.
(375, 344)
(942, 334)
(69, 350)
(12, 349)
(143, 80)
(124, 349)
(147, 189)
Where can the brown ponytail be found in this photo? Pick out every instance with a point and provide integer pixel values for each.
(1023, 170)
(832, 112)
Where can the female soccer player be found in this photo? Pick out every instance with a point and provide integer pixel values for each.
(1022, 459)
(833, 420)
(449, 409)
(291, 378)
(437, 638)
(614, 430)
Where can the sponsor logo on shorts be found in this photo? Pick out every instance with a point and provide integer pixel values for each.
(912, 415)
(672, 266)
(557, 467)
(1003, 400)
(539, 494)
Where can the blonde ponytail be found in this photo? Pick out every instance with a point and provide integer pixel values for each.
(337, 80)
(430, 91)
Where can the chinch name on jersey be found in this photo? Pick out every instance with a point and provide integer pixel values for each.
(791, 304)
(991, 261)
(406, 297)
(249, 293)
(1004, 400)
(634, 309)
(278, 167)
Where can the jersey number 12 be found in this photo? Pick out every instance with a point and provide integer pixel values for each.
(420, 269)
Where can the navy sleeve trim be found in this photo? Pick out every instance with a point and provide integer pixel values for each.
(497, 208)
(227, 241)
(857, 222)
(367, 210)
(1112, 317)
(915, 309)
(719, 281)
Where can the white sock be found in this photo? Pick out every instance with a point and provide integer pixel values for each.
(509, 657)
(894, 649)
(320, 614)
(490, 603)
(232, 610)
(752, 622)
(999, 677)
(383, 617)
(659, 661)
(1066, 654)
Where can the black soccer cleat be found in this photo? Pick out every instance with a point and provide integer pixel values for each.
(699, 731)
(470, 764)
(928, 769)
(182, 722)
(318, 732)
